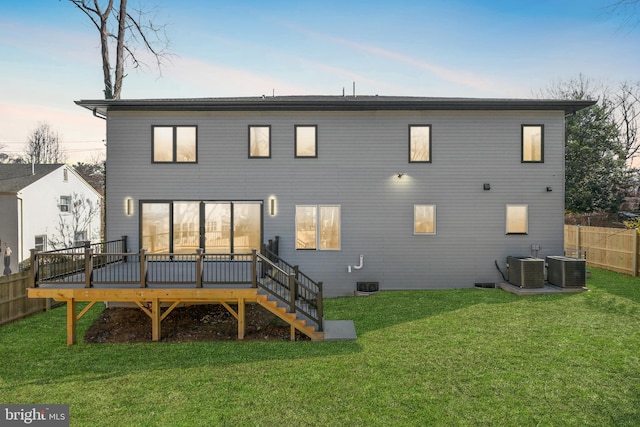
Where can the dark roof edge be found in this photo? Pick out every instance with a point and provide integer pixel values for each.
(331, 103)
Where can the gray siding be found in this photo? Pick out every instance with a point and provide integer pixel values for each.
(359, 156)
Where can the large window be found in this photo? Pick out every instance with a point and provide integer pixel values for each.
(175, 144)
(420, 143)
(259, 141)
(517, 219)
(532, 143)
(306, 141)
(217, 227)
(424, 219)
(318, 227)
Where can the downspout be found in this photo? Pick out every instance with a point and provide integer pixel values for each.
(21, 231)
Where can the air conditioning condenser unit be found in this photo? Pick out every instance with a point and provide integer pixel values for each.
(526, 272)
(566, 272)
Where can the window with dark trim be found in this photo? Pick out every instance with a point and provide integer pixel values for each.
(259, 141)
(306, 141)
(517, 219)
(174, 144)
(532, 144)
(419, 143)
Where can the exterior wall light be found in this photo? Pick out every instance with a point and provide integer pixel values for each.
(400, 175)
(129, 206)
(272, 206)
(549, 189)
(486, 187)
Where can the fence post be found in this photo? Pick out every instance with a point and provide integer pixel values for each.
(578, 241)
(634, 262)
(199, 260)
(88, 266)
(254, 268)
(292, 292)
(33, 273)
(143, 268)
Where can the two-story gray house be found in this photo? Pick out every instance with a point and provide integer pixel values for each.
(409, 192)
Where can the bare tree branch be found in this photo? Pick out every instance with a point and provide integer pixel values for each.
(123, 32)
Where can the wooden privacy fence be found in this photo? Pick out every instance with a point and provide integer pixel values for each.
(14, 303)
(614, 249)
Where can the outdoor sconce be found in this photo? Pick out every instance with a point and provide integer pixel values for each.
(272, 206)
(486, 187)
(129, 206)
(549, 189)
(400, 175)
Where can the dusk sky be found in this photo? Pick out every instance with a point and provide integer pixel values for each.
(449, 48)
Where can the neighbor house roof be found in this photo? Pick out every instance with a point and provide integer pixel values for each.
(15, 177)
(332, 103)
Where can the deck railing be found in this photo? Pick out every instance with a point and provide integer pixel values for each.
(90, 266)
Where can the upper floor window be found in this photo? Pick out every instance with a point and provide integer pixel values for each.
(517, 219)
(532, 143)
(424, 219)
(175, 144)
(306, 140)
(419, 143)
(318, 227)
(259, 141)
(40, 243)
(65, 202)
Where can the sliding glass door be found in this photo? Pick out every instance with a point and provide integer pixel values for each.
(217, 227)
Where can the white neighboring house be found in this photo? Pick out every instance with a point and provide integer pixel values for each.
(37, 210)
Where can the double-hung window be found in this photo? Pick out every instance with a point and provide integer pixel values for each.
(318, 227)
(175, 144)
(532, 144)
(259, 141)
(419, 143)
(65, 203)
(306, 141)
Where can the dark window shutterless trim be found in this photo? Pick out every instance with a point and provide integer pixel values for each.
(522, 160)
(430, 157)
(175, 142)
(249, 141)
(315, 141)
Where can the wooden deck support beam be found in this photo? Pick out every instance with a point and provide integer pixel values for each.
(155, 320)
(71, 321)
(241, 318)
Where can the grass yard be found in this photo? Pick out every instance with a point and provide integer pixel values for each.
(457, 357)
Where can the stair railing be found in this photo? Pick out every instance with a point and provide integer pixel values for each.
(291, 287)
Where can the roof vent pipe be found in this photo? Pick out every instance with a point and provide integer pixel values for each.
(354, 89)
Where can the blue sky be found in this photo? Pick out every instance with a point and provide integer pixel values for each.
(49, 54)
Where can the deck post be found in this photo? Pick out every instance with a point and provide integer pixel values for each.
(88, 266)
(143, 268)
(155, 319)
(254, 268)
(320, 307)
(71, 321)
(199, 260)
(292, 292)
(241, 318)
(33, 271)
(123, 247)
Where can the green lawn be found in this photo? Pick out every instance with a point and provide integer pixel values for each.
(461, 357)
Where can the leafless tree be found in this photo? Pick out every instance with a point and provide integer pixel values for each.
(626, 103)
(628, 10)
(76, 224)
(125, 31)
(43, 146)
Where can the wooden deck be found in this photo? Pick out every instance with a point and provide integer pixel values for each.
(158, 283)
(158, 303)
